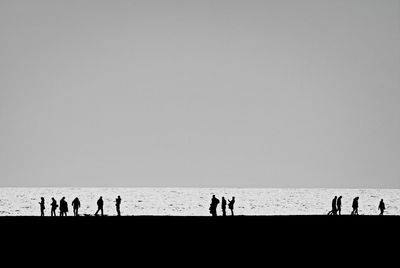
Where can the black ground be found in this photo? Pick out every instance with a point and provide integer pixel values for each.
(172, 239)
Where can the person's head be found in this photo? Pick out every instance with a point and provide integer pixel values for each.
(213, 195)
(340, 197)
(101, 197)
(42, 198)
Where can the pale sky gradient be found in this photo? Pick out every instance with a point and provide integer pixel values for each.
(200, 93)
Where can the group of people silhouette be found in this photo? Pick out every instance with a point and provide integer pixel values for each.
(76, 204)
(337, 206)
(215, 202)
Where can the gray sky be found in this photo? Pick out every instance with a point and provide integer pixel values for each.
(200, 93)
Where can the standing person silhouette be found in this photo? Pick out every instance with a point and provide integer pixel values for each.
(63, 207)
(231, 204)
(223, 206)
(381, 207)
(213, 206)
(53, 207)
(100, 205)
(42, 207)
(339, 205)
(118, 205)
(355, 206)
(334, 208)
(76, 204)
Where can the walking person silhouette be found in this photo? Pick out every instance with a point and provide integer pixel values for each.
(100, 205)
(118, 205)
(223, 206)
(231, 204)
(334, 208)
(355, 206)
(76, 204)
(42, 207)
(213, 206)
(381, 207)
(339, 205)
(53, 207)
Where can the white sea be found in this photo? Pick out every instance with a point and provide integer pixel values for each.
(195, 201)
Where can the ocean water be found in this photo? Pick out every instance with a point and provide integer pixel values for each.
(195, 201)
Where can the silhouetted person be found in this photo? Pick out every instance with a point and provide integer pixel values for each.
(339, 205)
(118, 205)
(381, 207)
(334, 208)
(355, 206)
(42, 207)
(223, 206)
(100, 205)
(213, 206)
(76, 204)
(63, 207)
(231, 205)
(54, 206)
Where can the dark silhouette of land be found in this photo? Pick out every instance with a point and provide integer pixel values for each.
(248, 239)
